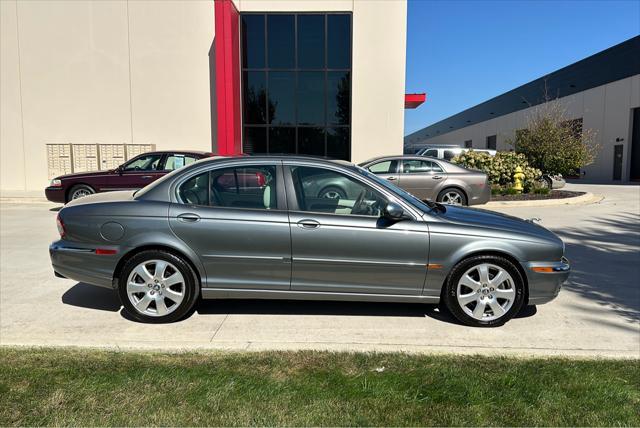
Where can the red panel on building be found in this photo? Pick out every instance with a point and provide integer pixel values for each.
(227, 55)
(414, 100)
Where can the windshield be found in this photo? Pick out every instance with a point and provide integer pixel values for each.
(406, 196)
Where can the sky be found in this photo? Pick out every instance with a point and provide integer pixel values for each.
(462, 53)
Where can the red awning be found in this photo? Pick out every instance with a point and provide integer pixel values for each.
(414, 100)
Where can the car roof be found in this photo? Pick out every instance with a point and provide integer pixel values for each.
(449, 166)
(416, 157)
(282, 157)
(162, 152)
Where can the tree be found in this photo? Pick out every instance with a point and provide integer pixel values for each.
(554, 144)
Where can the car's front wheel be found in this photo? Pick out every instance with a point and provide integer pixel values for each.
(484, 291)
(157, 287)
(80, 191)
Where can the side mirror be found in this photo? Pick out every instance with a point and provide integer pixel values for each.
(393, 211)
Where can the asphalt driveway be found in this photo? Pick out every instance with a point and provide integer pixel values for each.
(597, 314)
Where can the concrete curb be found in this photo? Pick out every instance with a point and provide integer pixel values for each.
(587, 198)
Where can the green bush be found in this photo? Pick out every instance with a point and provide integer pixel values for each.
(499, 168)
(510, 191)
(555, 144)
(540, 188)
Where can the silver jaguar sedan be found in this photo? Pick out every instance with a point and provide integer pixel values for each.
(262, 227)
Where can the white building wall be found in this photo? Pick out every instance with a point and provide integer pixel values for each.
(605, 109)
(137, 71)
(100, 72)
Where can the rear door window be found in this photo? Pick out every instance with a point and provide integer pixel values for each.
(251, 187)
(415, 166)
(449, 154)
(177, 161)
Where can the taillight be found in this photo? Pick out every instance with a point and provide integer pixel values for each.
(60, 225)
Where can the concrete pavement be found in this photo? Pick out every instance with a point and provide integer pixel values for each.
(597, 314)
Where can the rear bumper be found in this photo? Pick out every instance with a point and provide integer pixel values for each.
(545, 286)
(482, 196)
(55, 194)
(82, 264)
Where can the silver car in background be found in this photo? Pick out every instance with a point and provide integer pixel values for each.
(261, 228)
(433, 179)
(449, 152)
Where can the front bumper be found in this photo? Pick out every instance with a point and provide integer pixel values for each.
(81, 263)
(544, 286)
(56, 194)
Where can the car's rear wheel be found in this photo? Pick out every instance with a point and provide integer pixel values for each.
(80, 191)
(484, 291)
(452, 196)
(157, 287)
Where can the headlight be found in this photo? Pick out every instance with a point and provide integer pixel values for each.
(55, 183)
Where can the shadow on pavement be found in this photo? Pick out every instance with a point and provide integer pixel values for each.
(301, 307)
(605, 263)
(91, 297)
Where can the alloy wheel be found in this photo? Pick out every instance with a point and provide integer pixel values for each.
(452, 198)
(486, 292)
(80, 193)
(155, 288)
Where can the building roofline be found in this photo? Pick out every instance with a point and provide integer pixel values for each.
(612, 64)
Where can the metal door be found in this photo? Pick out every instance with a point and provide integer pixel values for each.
(617, 161)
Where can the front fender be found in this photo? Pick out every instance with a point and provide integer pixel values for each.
(447, 249)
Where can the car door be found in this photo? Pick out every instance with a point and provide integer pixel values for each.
(342, 245)
(387, 169)
(236, 220)
(137, 173)
(421, 178)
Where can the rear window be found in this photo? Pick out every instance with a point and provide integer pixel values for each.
(449, 154)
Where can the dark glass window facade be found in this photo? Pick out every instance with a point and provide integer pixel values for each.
(296, 83)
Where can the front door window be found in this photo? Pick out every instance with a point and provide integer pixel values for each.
(144, 163)
(325, 191)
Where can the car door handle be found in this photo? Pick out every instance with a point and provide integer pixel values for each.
(437, 177)
(189, 218)
(147, 176)
(392, 178)
(308, 224)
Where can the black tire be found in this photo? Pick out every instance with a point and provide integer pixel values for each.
(449, 190)
(80, 188)
(341, 194)
(190, 284)
(450, 289)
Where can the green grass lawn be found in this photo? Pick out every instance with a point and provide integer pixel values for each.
(91, 387)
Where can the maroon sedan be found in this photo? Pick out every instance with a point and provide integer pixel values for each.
(134, 174)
